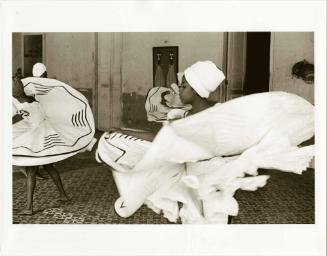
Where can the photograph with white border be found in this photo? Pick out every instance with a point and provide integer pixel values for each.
(200, 120)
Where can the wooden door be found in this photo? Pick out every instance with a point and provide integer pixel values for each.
(32, 50)
(236, 64)
(109, 80)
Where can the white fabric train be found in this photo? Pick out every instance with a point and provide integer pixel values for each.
(60, 123)
(233, 127)
(260, 130)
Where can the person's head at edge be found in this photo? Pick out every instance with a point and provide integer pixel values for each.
(39, 70)
(198, 81)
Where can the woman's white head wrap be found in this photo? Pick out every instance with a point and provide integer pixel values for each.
(204, 77)
(38, 69)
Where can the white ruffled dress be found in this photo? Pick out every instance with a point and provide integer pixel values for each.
(59, 124)
(201, 160)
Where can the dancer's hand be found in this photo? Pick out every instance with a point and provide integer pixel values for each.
(175, 114)
(23, 113)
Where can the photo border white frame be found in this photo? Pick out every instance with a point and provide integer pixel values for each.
(172, 16)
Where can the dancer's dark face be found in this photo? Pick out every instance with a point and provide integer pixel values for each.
(45, 74)
(186, 92)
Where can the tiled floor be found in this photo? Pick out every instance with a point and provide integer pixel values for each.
(287, 198)
(92, 193)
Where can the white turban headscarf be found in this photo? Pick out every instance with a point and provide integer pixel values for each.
(38, 69)
(204, 77)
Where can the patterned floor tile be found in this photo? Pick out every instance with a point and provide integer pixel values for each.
(286, 199)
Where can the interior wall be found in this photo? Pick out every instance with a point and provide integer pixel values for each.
(123, 74)
(289, 48)
(137, 66)
(114, 70)
(70, 58)
(137, 69)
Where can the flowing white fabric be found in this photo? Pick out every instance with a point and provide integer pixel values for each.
(122, 153)
(59, 123)
(187, 162)
(233, 127)
(160, 101)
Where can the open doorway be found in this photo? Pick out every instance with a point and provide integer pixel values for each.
(32, 52)
(257, 62)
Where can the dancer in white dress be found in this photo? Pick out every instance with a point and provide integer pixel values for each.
(201, 160)
(51, 122)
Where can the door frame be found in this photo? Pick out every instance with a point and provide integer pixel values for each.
(271, 60)
(223, 87)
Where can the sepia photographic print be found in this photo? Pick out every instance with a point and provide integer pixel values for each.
(89, 107)
(154, 128)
